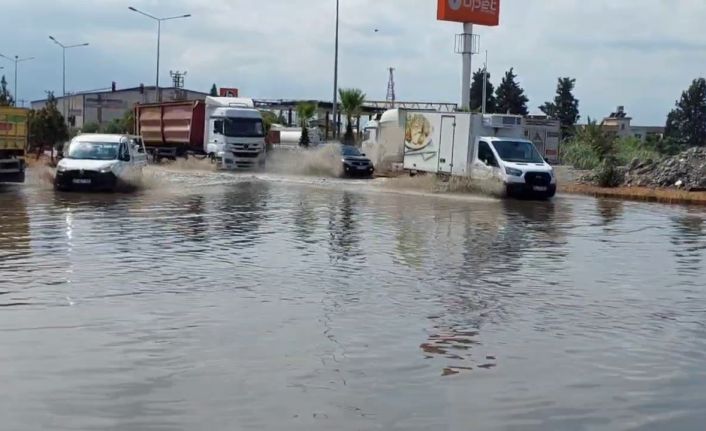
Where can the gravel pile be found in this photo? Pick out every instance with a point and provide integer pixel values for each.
(685, 171)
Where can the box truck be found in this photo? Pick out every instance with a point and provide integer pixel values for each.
(13, 143)
(480, 147)
(229, 130)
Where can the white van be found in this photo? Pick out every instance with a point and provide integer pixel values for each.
(101, 162)
(482, 147)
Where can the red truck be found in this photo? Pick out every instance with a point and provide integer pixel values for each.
(172, 129)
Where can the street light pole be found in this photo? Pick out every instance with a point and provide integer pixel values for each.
(17, 60)
(63, 69)
(335, 79)
(158, 93)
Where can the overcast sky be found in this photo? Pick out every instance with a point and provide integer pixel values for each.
(637, 53)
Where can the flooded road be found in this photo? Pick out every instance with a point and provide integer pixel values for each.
(222, 303)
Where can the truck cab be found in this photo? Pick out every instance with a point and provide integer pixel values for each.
(516, 163)
(235, 133)
(101, 162)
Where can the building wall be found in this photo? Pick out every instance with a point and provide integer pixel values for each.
(104, 107)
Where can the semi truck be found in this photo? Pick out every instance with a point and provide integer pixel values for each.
(484, 148)
(13, 143)
(229, 130)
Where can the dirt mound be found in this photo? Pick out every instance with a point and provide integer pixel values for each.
(686, 170)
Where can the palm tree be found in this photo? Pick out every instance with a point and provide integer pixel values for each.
(352, 100)
(305, 110)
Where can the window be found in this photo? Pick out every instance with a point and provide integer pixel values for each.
(93, 151)
(243, 127)
(517, 152)
(485, 154)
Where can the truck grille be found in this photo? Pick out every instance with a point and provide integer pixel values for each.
(245, 155)
(538, 178)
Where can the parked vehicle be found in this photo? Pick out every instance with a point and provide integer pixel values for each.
(101, 162)
(289, 137)
(482, 147)
(355, 163)
(13, 144)
(229, 130)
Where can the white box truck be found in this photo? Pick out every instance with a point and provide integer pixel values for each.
(481, 147)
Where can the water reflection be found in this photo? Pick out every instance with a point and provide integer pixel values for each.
(689, 240)
(14, 225)
(305, 221)
(610, 210)
(344, 241)
(241, 211)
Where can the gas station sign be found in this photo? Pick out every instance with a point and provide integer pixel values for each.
(482, 12)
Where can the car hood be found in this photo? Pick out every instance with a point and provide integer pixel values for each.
(86, 165)
(529, 167)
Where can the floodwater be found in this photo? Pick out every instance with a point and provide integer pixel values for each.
(218, 302)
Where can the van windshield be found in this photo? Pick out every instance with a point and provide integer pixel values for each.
(243, 128)
(93, 151)
(517, 152)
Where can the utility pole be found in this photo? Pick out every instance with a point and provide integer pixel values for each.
(485, 82)
(63, 66)
(17, 60)
(335, 79)
(158, 93)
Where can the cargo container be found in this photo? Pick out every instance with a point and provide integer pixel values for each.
(13, 143)
(171, 129)
(227, 129)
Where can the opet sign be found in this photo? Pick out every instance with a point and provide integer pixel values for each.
(483, 12)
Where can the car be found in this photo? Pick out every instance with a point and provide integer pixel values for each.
(355, 163)
(101, 162)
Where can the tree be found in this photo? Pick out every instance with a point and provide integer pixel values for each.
(214, 91)
(47, 127)
(686, 124)
(305, 110)
(477, 93)
(565, 107)
(510, 96)
(352, 100)
(91, 128)
(6, 98)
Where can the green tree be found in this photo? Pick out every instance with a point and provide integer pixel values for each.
(477, 93)
(127, 122)
(91, 128)
(510, 96)
(214, 91)
(6, 98)
(268, 119)
(686, 123)
(305, 110)
(565, 107)
(352, 100)
(47, 127)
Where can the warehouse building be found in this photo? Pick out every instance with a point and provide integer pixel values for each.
(102, 107)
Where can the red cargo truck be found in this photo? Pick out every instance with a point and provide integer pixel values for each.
(172, 129)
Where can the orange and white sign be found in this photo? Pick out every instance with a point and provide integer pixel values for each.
(229, 92)
(483, 12)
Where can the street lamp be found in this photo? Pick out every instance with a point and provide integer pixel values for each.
(335, 79)
(16, 60)
(159, 33)
(63, 78)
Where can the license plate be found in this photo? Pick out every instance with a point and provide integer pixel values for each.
(82, 181)
(539, 189)
(361, 168)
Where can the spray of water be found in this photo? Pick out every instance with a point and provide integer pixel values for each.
(324, 160)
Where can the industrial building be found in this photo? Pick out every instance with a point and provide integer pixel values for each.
(104, 106)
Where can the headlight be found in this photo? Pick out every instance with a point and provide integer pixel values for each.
(105, 170)
(513, 172)
(61, 168)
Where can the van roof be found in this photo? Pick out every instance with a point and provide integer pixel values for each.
(102, 137)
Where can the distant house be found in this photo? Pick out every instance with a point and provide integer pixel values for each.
(618, 124)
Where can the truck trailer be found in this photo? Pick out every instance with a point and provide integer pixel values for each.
(484, 148)
(13, 143)
(229, 130)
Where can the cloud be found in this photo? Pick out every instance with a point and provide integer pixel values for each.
(622, 52)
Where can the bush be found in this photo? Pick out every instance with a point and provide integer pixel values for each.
(629, 149)
(579, 155)
(607, 174)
